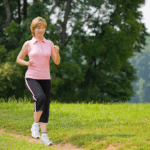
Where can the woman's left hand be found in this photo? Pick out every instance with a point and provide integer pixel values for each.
(56, 48)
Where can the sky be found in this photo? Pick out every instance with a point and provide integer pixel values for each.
(146, 14)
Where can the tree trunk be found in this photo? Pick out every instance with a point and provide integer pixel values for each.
(64, 24)
(34, 1)
(8, 13)
(19, 14)
(24, 9)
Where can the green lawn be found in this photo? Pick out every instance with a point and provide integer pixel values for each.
(8, 142)
(89, 126)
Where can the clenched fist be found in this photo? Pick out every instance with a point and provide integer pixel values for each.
(30, 63)
(56, 48)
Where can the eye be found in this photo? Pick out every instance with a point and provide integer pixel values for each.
(40, 28)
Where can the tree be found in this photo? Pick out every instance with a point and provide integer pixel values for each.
(8, 14)
(96, 39)
(25, 9)
(141, 64)
(140, 92)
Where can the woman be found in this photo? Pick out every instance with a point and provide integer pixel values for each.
(37, 77)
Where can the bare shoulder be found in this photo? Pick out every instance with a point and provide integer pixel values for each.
(24, 50)
(52, 44)
(26, 46)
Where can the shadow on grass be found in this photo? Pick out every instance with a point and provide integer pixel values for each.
(80, 139)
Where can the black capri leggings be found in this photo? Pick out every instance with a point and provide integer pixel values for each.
(40, 91)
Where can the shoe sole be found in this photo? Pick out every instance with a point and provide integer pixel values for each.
(35, 137)
(46, 144)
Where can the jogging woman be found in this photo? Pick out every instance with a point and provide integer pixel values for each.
(37, 77)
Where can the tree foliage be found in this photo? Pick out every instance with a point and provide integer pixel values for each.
(142, 64)
(96, 39)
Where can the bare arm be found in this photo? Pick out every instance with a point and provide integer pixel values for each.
(55, 53)
(20, 58)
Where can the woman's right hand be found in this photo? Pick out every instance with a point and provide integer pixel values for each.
(30, 63)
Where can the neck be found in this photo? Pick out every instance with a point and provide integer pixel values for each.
(39, 38)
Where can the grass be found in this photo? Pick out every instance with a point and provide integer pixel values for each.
(89, 126)
(8, 142)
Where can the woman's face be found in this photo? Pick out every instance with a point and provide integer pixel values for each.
(40, 30)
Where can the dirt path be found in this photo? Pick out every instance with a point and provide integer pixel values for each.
(67, 146)
(111, 147)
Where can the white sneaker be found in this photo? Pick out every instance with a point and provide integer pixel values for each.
(35, 131)
(45, 140)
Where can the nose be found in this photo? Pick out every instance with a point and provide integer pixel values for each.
(42, 30)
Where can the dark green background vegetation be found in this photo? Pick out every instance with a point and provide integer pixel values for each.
(96, 40)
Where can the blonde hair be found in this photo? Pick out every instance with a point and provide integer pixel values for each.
(36, 22)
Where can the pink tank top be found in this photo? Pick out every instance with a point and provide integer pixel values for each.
(39, 53)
